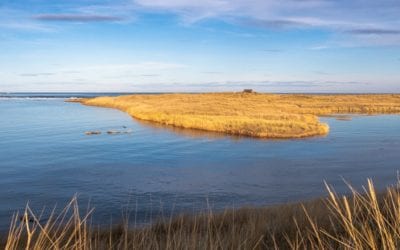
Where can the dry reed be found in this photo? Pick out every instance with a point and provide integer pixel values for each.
(359, 221)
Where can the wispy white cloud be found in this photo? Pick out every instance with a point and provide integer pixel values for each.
(116, 11)
(99, 73)
(375, 31)
(351, 18)
(36, 74)
(141, 66)
(25, 26)
(16, 17)
(77, 18)
(19, 20)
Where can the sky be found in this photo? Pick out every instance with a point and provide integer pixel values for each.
(343, 46)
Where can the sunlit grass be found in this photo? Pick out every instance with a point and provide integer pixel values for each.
(357, 221)
(249, 114)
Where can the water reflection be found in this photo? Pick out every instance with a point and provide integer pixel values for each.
(189, 133)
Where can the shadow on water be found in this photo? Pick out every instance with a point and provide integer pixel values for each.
(187, 132)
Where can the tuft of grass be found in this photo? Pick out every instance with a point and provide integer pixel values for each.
(359, 221)
(68, 230)
(249, 114)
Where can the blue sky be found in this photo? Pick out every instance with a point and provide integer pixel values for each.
(191, 45)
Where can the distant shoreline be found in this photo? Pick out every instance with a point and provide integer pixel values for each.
(100, 94)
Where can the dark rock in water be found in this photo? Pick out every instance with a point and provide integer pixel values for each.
(124, 126)
(92, 132)
(343, 118)
(116, 132)
(113, 132)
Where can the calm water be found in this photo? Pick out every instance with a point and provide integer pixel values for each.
(46, 158)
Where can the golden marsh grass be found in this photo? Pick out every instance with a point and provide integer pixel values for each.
(358, 221)
(249, 114)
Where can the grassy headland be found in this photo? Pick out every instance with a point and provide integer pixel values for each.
(249, 114)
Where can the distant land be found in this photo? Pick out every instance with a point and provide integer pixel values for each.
(281, 116)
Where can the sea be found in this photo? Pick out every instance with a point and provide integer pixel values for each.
(151, 171)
